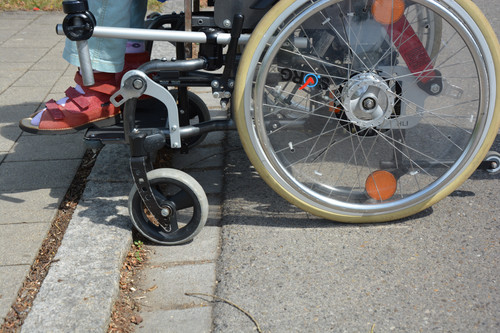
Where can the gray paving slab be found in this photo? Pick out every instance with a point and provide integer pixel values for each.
(100, 190)
(8, 137)
(23, 242)
(49, 19)
(31, 40)
(215, 210)
(20, 95)
(31, 175)
(22, 54)
(8, 77)
(70, 71)
(11, 279)
(62, 83)
(294, 272)
(5, 35)
(198, 319)
(169, 285)
(15, 67)
(48, 63)
(55, 52)
(204, 248)
(20, 15)
(30, 206)
(112, 165)
(14, 23)
(204, 157)
(38, 79)
(213, 138)
(210, 180)
(42, 147)
(80, 288)
(10, 114)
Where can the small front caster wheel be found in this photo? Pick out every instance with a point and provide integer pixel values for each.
(494, 158)
(185, 203)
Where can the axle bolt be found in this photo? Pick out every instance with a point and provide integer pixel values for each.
(138, 84)
(435, 88)
(165, 212)
(369, 103)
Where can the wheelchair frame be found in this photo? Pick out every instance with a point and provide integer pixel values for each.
(213, 32)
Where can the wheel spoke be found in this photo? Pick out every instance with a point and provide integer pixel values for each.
(182, 200)
(376, 109)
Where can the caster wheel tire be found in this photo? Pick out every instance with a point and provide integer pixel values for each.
(179, 190)
(493, 157)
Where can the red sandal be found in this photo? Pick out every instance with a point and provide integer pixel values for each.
(82, 108)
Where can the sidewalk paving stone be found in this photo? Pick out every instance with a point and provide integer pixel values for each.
(38, 79)
(21, 95)
(8, 136)
(197, 319)
(204, 248)
(11, 279)
(11, 114)
(47, 63)
(30, 39)
(30, 206)
(22, 54)
(59, 88)
(112, 165)
(50, 19)
(80, 288)
(24, 240)
(210, 180)
(171, 283)
(57, 147)
(205, 157)
(21, 176)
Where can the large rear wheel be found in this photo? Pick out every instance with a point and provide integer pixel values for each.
(368, 111)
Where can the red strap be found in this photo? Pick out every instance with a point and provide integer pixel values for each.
(80, 100)
(53, 110)
(411, 49)
(104, 83)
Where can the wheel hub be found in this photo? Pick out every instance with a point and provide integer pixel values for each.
(367, 100)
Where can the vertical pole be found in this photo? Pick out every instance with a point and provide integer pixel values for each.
(85, 63)
(188, 14)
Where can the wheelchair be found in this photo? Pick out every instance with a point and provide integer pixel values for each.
(353, 110)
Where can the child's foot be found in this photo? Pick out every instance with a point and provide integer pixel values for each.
(83, 107)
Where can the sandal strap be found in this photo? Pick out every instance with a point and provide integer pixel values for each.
(76, 97)
(76, 103)
(53, 110)
(105, 83)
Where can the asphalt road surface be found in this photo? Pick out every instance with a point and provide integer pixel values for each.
(436, 271)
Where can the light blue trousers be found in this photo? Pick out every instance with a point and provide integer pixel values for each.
(107, 54)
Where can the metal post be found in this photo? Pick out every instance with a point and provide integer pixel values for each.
(188, 14)
(85, 63)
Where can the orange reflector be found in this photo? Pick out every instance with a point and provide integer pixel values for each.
(332, 107)
(388, 11)
(381, 185)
